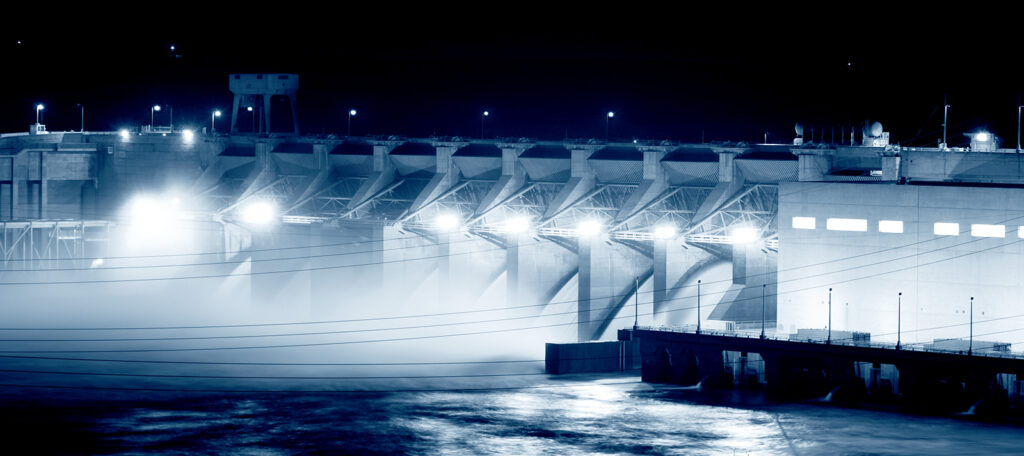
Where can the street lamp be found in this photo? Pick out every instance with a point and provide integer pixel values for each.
(607, 124)
(970, 341)
(482, 117)
(213, 120)
(253, 124)
(351, 112)
(763, 287)
(829, 339)
(39, 108)
(899, 318)
(152, 115)
(1018, 127)
(698, 307)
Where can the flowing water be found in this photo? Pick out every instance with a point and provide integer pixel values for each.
(576, 415)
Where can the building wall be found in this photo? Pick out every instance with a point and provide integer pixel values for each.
(937, 274)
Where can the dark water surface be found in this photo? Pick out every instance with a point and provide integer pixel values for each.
(575, 416)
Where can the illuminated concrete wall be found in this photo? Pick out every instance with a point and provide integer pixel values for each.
(937, 273)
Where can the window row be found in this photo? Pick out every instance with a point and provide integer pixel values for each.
(896, 226)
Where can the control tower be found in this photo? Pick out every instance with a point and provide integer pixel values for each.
(253, 93)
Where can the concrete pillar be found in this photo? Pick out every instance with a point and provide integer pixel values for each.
(295, 113)
(812, 166)
(606, 282)
(320, 154)
(444, 266)
(234, 113)
(726, 165)
(890, 167)
(266, 114)
(660, 278)
(584, 331)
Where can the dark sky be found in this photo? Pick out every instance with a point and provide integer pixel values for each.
(541, 74)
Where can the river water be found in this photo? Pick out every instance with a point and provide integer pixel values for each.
(574, 415)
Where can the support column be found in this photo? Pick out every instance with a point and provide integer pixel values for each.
(607, 274)
(581, 180)
(266, 113)
(660, 278)
(383, 173)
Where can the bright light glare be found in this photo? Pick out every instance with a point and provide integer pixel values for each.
(259, 213)
(843, 224)
(983, 137)
(611, 114)
(39, 107)
(217, 113)
(124, 134)
(983, 230)
(588, 228)
(517, 225)
(947, 229)
(248, 108)
(890, 226)
(745, 235)
(446, 221)
(149, 215)
(487, 113)
(96, 263)
(665, 232)
(156, 107)
(352, 112)
(803, 223)
(188, 135)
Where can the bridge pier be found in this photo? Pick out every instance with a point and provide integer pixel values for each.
(607, 275)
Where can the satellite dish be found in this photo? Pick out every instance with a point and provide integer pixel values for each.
(876, 129)
(799, 129)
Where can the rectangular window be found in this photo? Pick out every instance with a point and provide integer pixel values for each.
(840, 224)
(947, 229)
(982, 230)
(890, 226)
(803, 223)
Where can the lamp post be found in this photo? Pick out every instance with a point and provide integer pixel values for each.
(39, 109)
(82, 110)
(351, 112)
(899, 319)
(213, 120)
(636, 303)
(152, 115)
(763, 287)
(698, 307)
(945, 118)
(607, 124)
(482, 117)
(829, 339)
(253, 123)
(1018, 127)
(970, 341)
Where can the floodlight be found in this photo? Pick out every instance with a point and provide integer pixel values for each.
(217, 113)
(188, 135)
(588, 228)
(982, 137)
(517, 225)
(156, 107)
(611, 114)
(665, 232)
(259, 213)
(352, 112)
(744, 235)
(446, 221)
(124, 134)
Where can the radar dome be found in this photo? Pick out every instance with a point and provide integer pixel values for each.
(876, 129)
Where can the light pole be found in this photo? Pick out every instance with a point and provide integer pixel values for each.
(82, 108)
(829, 339)
(763, 287)
(351, 112)
(213, 120)
(252, 125)
(766, 137)
(39, 109)
(899, 319)
(607, 124)
(698, 307)
(482, 117)
(1018, 127)
(152, 115)
(970, 341)
(945, 119)
(636, 303)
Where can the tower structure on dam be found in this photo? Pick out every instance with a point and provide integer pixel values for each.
(587, 236)
(254, 97)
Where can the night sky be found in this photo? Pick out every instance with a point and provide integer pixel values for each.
(545, 75)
